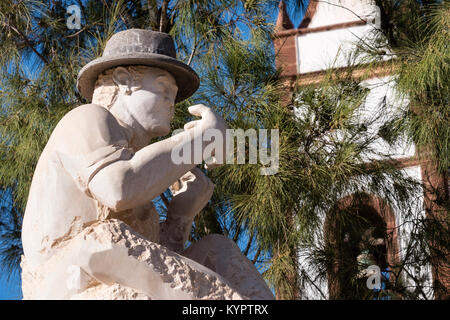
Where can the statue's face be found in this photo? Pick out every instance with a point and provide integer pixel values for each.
(152, 106)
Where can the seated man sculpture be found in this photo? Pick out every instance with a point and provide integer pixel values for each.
(90, 229)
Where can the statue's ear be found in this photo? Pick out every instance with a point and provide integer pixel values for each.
(122, 78)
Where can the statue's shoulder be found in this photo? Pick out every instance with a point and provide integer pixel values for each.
(88, 127)
(85, 120)
(89, 111)
(87, 116)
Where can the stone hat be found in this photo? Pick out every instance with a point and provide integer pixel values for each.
(139, 47)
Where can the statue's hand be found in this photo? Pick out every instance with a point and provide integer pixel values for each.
(210, 120)
(190, 194)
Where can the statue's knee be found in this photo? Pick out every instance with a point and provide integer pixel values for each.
(220, 242)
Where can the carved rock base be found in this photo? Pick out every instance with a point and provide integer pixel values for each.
(109, 260)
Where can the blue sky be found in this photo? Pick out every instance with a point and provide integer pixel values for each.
(11, 290)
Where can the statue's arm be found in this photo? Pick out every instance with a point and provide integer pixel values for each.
(130, 183)
(126, 184)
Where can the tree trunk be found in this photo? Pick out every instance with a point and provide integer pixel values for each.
(163, 20)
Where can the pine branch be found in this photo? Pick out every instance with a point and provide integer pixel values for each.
(194, 49)
(27, 41)
(152, 12)
(255, 258)
(164, 199)
(163, 20)
(249, 243)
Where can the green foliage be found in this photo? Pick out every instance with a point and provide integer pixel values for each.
(325, 144)
(40, 58)
(10, 244)
(425, 76)
(418, 35)
(417, 38)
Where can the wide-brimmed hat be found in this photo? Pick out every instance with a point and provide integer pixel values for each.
(140, 47)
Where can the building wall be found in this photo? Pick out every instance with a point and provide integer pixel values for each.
(327, 38)
(384, 103)
(341, 11)
(317, 51)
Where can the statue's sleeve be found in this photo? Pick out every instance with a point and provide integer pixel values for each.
(95, 161)
(93, 149)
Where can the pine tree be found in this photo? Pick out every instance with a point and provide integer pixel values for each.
(418, 32)
(417, 37)
(40, 58)
(273, 218)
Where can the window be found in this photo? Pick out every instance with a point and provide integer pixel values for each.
(358, 238)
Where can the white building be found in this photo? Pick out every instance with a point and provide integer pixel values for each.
(326, 38)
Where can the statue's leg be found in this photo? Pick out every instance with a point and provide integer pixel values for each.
(112, 253)
(223, 256)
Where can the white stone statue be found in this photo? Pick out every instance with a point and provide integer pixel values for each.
(90, 229)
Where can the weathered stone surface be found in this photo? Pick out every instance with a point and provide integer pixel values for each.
(223, 256)
(113, 292)
(168, 274)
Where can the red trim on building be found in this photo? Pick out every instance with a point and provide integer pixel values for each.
(435, 192)
(343, 25)
(286, 57)
(362, 72)
(283, 20)
(310, 12)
